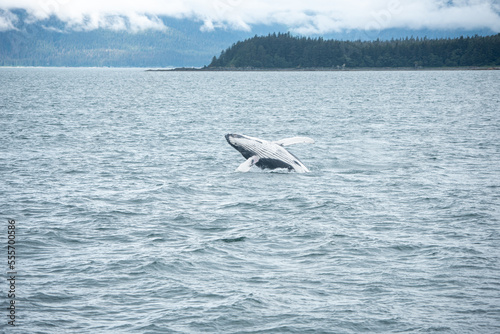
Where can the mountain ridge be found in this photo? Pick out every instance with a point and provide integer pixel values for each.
(51, 42)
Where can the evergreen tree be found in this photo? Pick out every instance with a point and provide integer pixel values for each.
(286, 51)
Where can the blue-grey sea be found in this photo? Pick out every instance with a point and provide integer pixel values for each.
(130, 217)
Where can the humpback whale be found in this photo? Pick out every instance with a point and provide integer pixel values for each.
(267, 154)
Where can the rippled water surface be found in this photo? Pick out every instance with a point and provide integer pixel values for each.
(131, 218)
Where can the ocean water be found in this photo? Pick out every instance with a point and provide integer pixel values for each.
(130, 217)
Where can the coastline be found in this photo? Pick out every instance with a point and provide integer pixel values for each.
(323, 69)
(252, 69)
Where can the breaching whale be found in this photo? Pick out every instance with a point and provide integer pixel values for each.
(267, 154)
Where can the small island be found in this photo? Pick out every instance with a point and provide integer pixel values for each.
(286, 52)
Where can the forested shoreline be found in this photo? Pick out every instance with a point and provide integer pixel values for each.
(284, 51)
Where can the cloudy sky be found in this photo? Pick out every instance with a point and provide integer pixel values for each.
(300, 16)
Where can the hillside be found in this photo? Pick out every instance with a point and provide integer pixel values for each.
(286, 51)
(51, 42)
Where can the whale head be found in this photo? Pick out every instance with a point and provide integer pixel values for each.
(241, 140)
(246, 145)
(233, 139)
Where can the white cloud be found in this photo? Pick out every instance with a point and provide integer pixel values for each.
(7, 20)
(307, 17)
(462, 14)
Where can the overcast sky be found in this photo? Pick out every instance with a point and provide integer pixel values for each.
(300, 16)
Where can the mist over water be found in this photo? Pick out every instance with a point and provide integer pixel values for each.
(131, 219)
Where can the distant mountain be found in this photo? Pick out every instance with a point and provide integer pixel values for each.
(51, 43)
(276, 51)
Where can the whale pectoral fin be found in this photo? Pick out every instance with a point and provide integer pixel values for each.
(294, 140)
(245, 167)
